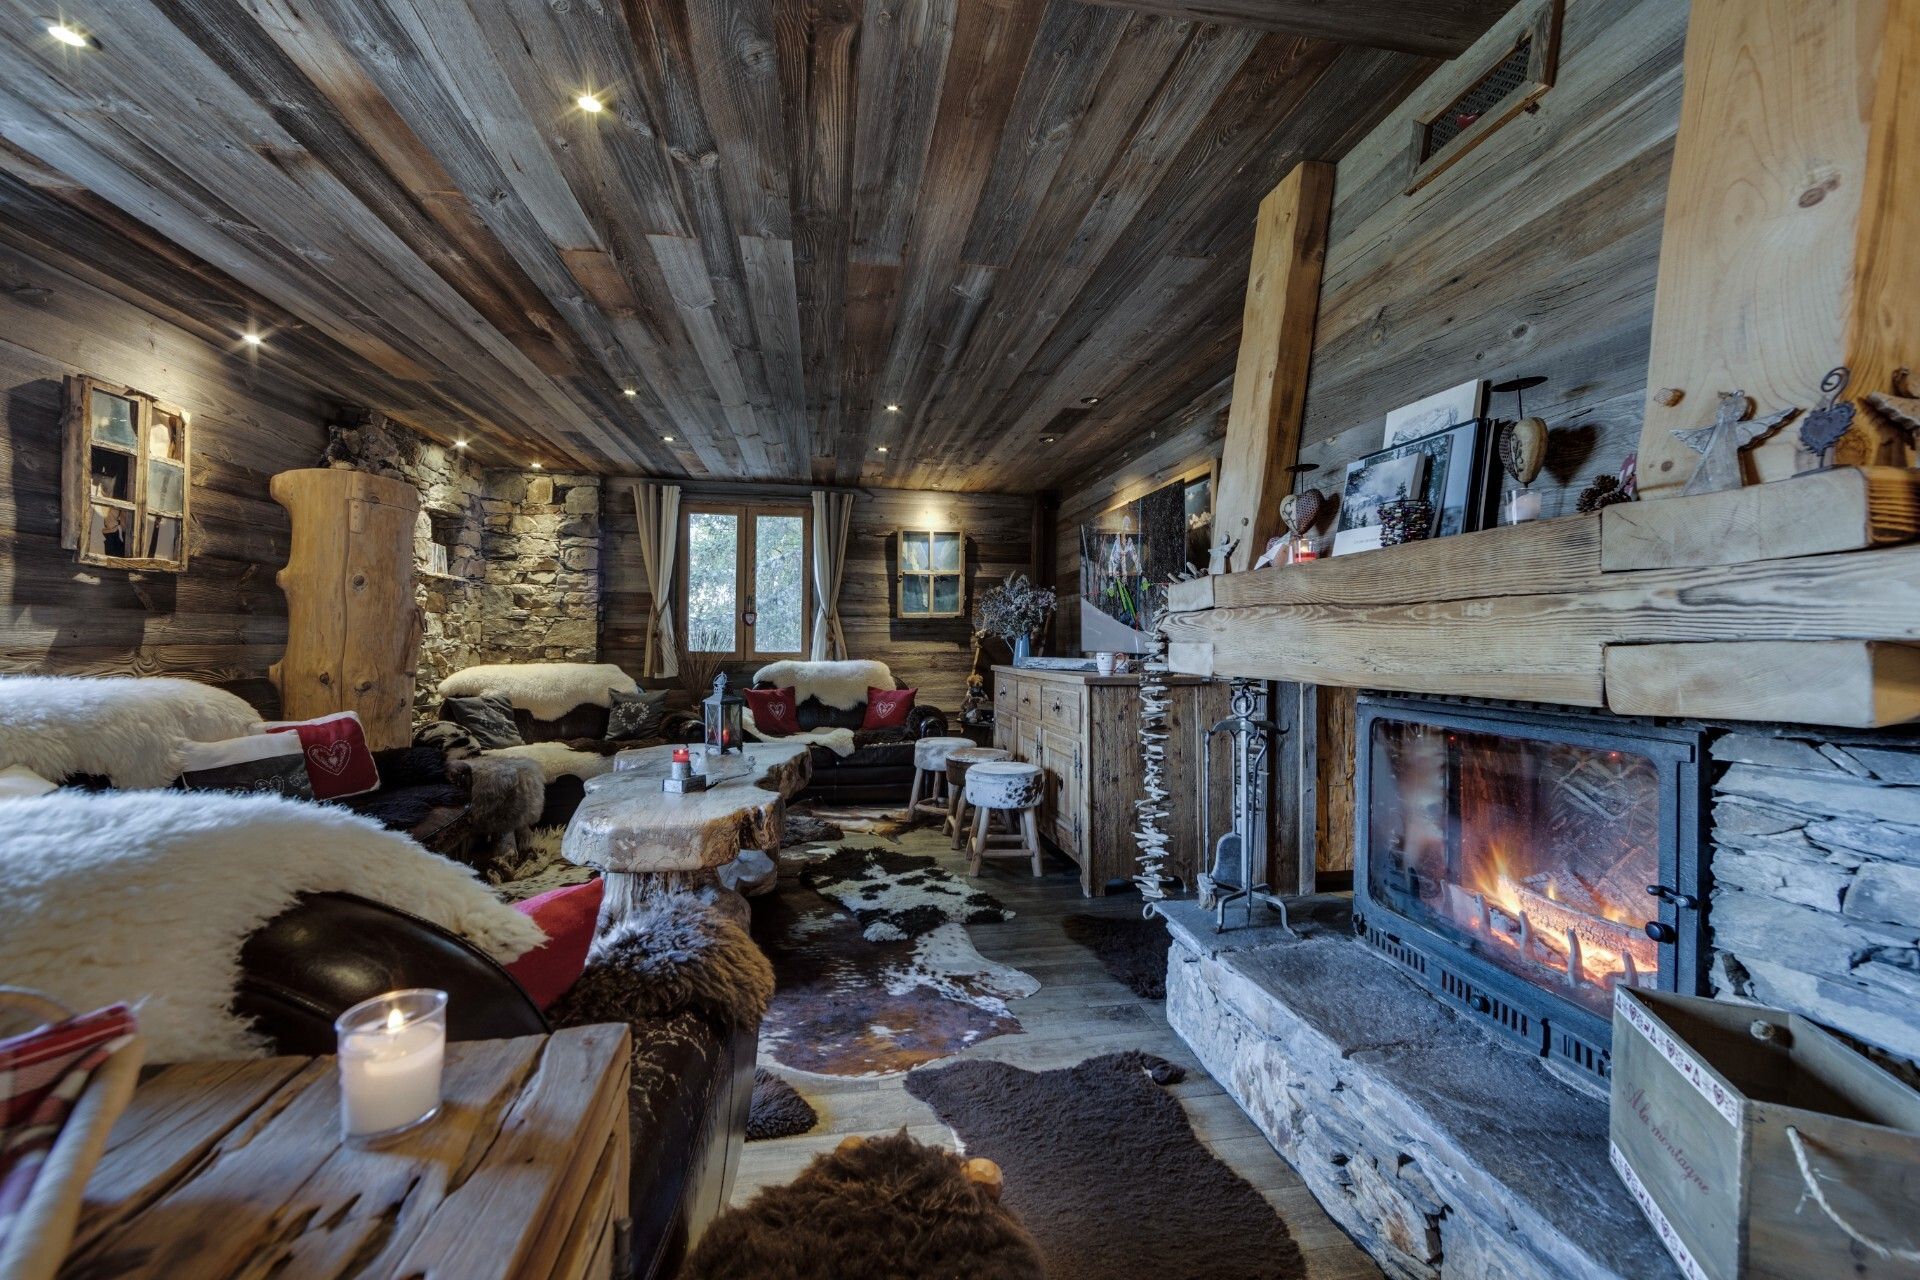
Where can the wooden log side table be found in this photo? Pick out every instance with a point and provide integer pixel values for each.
(223, 1170)
(644, 840)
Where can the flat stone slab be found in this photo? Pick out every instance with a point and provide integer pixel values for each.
(628, 825)
(1444, 1149)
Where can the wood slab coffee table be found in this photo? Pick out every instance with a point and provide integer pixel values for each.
(645, 840)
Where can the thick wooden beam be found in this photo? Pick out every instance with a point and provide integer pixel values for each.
(1861, 684)
(1844, 509)
(1437, 28)
(1276, 344)
(1792, 240)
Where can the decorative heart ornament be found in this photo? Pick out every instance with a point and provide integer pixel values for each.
(1301, 511)
(333, 757)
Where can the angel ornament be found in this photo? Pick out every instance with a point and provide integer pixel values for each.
(1719, 445)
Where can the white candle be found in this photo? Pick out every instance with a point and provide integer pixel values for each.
(1522, 505)
(391, 1051)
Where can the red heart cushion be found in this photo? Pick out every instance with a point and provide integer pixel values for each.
(775, 711)
(338, 761)
(888, 708)
(567, 916)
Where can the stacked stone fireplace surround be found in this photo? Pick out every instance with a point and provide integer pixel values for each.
(1445, 1150)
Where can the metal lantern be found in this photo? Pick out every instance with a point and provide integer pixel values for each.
(725, 716)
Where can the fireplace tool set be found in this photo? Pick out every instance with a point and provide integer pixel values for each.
(1239, 856)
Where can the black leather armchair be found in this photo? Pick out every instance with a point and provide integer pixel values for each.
(692, 1080)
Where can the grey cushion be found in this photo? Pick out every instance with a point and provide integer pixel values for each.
(487, 718)
(636, 715)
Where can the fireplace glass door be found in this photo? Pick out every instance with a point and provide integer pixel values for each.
(1534, 855)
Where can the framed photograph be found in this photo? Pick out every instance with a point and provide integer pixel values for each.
(1373, 480)
(1128, 553)
(1436, 412)
(1459, 476)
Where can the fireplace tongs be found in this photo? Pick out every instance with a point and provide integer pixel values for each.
(1233, 873)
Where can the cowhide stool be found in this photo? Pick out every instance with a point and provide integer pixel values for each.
(1013, 788)
(930, 774)
(958, 762)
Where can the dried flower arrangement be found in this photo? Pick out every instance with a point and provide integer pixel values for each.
(1014, 609)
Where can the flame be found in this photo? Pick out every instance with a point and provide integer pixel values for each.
(395, 1021)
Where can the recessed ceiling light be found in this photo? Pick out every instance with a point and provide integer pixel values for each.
(536, 466)
(883, 448)
(589, 104)
(668, 439)
(1089, 399)
(1046, 439)
(893, 408)
(252, 339)
(631, 392)
(67, 35)
(459, 444)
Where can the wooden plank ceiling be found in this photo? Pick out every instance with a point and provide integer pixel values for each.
(1023, 222)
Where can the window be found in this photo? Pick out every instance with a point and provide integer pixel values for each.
(126, 492)
(745, 579)
(932, 573)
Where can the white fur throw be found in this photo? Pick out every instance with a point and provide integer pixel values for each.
(129, 728)
(840, 685)
(148, 898)
(557, 760)
(544, 690)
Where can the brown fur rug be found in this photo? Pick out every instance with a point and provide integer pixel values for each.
(777, 1110)
(673, 953)
(1102, 1166)
(889, 1209)
(1133, 951)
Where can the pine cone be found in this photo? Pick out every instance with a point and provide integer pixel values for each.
(1603, 492)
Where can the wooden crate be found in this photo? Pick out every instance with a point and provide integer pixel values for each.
(1760, 1146)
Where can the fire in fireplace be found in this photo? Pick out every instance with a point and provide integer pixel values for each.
(1525, 864)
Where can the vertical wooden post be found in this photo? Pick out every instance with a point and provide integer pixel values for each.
(1276, 343)
(1792, 240)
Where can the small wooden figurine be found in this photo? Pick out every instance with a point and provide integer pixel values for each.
(1719, 445)
(1899, 409)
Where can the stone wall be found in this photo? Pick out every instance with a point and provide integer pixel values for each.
(1816, 866)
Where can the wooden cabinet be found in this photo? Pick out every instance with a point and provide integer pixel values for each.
(1083, 729)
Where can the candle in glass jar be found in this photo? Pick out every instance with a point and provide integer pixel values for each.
(391, 1049)
(1522, 505)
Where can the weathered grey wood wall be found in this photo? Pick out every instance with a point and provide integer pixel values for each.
(933, 656)
(223, 621)
(1535, 254)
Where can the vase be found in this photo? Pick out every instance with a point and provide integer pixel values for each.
(1022, 650)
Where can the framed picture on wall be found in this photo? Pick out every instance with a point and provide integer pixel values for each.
(1453, 473)
(1129, 552)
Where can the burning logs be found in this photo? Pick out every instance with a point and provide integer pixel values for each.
(1583, 948)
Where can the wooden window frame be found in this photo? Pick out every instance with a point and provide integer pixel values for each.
(77, 499)
(1542, 35)
(746, 633)
(901, 573)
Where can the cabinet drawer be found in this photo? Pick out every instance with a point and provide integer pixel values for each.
(1059, 707)
(1005, 696)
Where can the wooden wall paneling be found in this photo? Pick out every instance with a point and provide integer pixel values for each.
(1334, 741)
(1439, 28)
(1789, 242)
(1276, 342)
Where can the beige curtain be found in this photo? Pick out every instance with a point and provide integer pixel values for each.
(832, 514)
(657, 506)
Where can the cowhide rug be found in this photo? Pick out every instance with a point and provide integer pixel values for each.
(884, 983)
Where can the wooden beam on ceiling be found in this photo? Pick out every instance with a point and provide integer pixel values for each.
(1435, 28)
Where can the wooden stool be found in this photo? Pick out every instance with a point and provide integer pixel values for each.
(958, 762)
(1010, 787)
(930, 772)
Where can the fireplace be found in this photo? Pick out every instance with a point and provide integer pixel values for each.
(1523, 864)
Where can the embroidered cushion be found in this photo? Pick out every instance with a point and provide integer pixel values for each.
(636, 715)
(888, 708)
(567, 916)
(270, 763)
(775, 711)
(487, 717)
(338, 761)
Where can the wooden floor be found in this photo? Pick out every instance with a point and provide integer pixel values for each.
(1078, 1013)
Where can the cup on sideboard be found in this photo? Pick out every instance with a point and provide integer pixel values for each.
(1103, 663)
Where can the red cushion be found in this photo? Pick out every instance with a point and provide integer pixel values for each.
(888, 708)
(567, 916)
(774, 710)
(338, 762)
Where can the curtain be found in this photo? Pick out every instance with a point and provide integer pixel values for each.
(657, 507)
(832, 513)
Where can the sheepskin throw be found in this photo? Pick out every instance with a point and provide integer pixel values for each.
(876, 1210)
(545, 690)
(148, 899)
(127, 728)
(557, 760)
(839, 741)
(840, 685)
(675, 952)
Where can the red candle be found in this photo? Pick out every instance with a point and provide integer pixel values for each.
(680, 756)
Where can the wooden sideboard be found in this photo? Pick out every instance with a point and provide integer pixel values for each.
(1083, 729)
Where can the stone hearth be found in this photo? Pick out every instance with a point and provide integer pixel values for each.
(1443, 1150)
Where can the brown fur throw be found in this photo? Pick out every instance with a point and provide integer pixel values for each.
(891, 1207)
(506, 793)
(676, 952)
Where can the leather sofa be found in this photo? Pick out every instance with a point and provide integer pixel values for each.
(880, 770)
(689, 1109)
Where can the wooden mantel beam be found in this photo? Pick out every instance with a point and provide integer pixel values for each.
(1436, 28)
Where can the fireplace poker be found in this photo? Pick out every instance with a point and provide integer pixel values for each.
(1250, 741)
